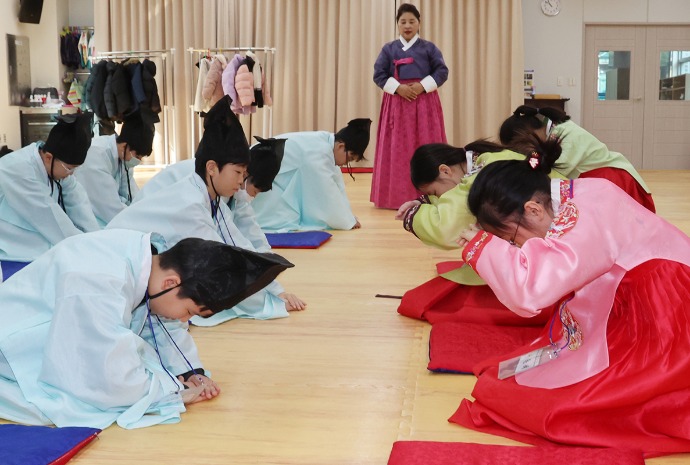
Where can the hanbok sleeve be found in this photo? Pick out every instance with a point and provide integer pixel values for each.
(440, 222)
(100, 186)
(31, 200)
(382, 68)
(245, 220)
(528, 278)
(439, 70)
(329, 203)
(95, 363)
(178, 332)
(78, 206)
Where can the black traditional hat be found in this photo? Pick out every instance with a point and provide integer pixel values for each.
(138, 133)
(264, 164)
(355, 135)
(223, 275)
(70, 138)
(223, 139)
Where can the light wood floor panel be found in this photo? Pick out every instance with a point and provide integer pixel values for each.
(340, 382)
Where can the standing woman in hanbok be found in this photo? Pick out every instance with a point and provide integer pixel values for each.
(409, 70)
(610, 370)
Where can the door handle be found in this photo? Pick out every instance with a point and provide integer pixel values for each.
(637, 99)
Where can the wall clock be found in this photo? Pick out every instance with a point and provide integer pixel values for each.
(550, 7)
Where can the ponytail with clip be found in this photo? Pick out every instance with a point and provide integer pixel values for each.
(526, 119)
(543, 154)
(501, 189)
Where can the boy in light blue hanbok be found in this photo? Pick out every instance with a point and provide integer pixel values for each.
(108, 171)
(264, 163)
(40, 202)
(309, 193)
(95, 329)
(193, 207)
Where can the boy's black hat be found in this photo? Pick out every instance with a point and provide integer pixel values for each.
(223, 139)
(224, 275)
(70, 138)
(355, 135)
(138, 133)
(264, 164)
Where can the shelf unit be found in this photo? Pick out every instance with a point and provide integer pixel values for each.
(547, 102)
(675, 88)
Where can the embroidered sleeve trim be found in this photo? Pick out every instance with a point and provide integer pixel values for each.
(474, 248)
(409, 219)
(565, 221)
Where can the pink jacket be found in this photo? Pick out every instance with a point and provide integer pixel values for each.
(244, 84)
(213, 87)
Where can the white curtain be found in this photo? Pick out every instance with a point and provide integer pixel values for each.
(325, 55)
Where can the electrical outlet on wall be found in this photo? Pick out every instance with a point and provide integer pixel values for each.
(559, 81)
(4, 138)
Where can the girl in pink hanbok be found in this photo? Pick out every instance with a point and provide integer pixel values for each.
(610, 368)
(409, 70)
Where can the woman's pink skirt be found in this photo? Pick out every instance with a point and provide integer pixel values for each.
(403, 126)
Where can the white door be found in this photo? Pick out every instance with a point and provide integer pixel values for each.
(634, 97)
(667, 99)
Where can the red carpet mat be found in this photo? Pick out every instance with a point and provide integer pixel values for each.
(456, 347)
(458, 453)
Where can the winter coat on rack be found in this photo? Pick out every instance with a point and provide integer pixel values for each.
(244, 85)
(95, 87)
(213, 87)
(229, 82)
(148, 73)
(133, 68)
(265, 91)
(118, 100)
(91, 50)
(83, 47)
(69, 49)
(257, 74)
(200, 103)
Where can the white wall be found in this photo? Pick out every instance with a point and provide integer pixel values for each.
(554, 45)
(44, 47)
(81, 12)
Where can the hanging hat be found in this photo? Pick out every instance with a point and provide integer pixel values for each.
(355, 135)
(137, 133)
(264, 163)
(223, 275)
(70, 138)
(223, 139)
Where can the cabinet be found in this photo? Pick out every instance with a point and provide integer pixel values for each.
(547, 102)
(36, 124)
(675, 88)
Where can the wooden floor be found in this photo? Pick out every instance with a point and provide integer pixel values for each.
(341, 381)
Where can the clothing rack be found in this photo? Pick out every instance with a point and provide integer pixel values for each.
(268, 62)
(167, 94)
(81, 28)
